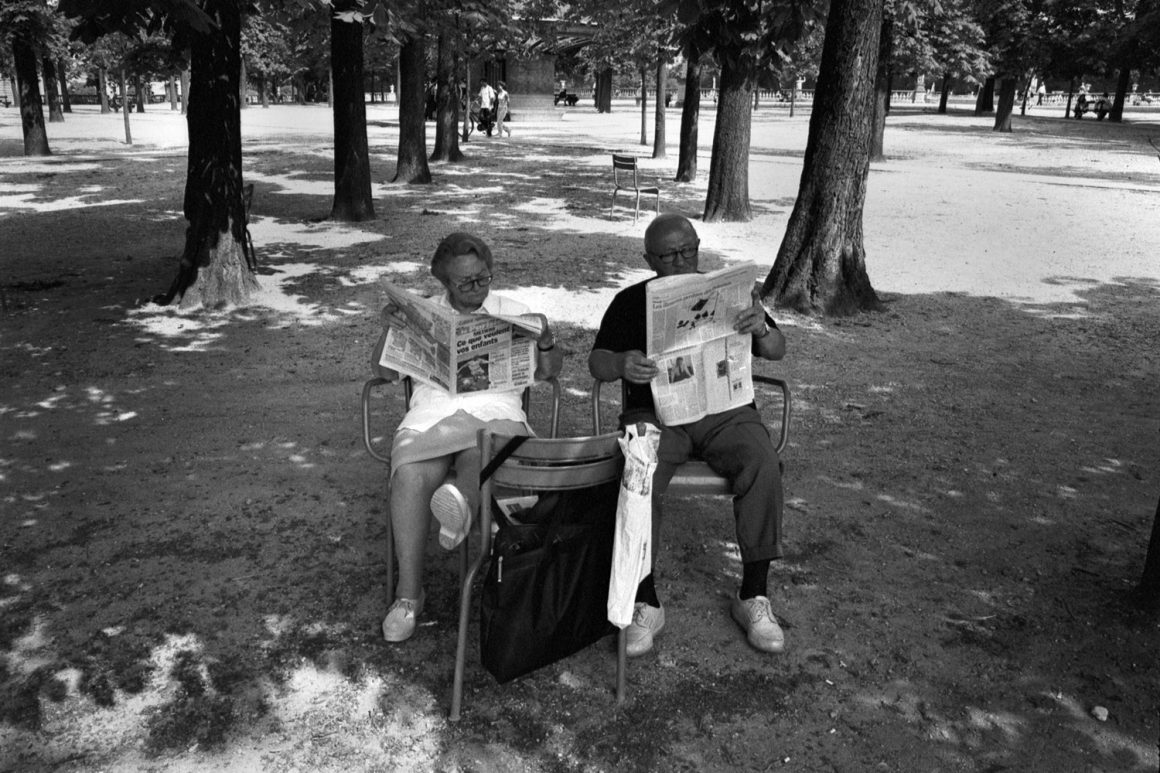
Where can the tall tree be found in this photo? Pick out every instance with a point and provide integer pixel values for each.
(821, 264)
(446, 100)
(352, 172)
(882, 84)
(743, 36)
(690, 114)
(26, 25)
(215, 268)
(662, 89)
(412, 165)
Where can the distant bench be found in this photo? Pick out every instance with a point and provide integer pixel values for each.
(5, 101)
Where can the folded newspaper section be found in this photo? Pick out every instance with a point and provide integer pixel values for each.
(705, 365)
(460, 353)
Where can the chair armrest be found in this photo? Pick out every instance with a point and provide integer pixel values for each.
(367, 390)
(783, 434)
(554, 427)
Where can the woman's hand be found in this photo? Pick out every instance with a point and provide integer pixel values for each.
(393, 316)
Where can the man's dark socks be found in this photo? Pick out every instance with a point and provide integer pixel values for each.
(647, 592)
(754, 577)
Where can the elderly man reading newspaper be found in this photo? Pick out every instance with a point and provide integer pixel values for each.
(711, 415)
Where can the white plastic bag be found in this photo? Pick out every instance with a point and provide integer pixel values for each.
(632, 546)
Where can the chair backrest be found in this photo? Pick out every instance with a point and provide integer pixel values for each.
(625, 164)
(551, 464)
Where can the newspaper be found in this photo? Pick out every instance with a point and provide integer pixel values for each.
(705, 365)
(460, 353)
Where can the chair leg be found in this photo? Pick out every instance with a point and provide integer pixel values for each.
(390, 550)
(612, 206)
(636, 211)
(621, 665)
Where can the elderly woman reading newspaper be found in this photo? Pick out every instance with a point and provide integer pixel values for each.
(434, 459)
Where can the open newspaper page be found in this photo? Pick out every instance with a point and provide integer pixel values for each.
(705, 365)
(460, 353)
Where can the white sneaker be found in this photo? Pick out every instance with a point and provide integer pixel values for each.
(646, 623)
(449, 507)
(755, 616)
(402, 618)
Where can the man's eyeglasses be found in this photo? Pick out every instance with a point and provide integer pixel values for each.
(684, 253)
(468, 284)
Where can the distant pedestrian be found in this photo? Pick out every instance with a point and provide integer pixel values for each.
(486, 106)
(1103, 107)
(502, 104)
(1081, 105)
(1041, 92)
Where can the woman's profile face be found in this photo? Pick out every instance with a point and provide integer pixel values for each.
(463, 284)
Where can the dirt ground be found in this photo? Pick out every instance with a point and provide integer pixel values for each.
(192, 532)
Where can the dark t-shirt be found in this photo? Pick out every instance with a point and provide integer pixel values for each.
(624, 328)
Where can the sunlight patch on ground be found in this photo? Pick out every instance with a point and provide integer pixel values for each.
(19, 166)
(365, 275)
(323, 235)
(169, 322)
(577, 306)
(28, 201)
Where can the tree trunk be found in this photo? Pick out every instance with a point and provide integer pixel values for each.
(103, 89)
(50, 91)
(185, 91)
(728, 195)
(214, 270)
(243, 78)
(1006, 103)
(172, 93)
(1147, 593)
(465, 100)
(28, 88)
(882, 86)
(821, 265)
(604, 91)
(985, 101)
(446, 103)
(264, 90)
(125, 106)
(139, 96)
(1070, 96)
(1122, 83)
(62, 77)
(352, 164)
(412, 159)
(945, 94)
(659, 150)
(690, 116)
(643, 106)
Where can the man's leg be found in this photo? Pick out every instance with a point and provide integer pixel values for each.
(736, 444)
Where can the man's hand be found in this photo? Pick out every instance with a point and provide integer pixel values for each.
(636, 368)
(751, 320)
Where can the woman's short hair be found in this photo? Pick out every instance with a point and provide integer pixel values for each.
(454, 245)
